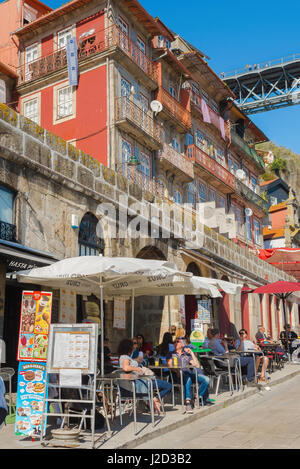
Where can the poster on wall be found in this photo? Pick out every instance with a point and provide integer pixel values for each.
(35, 319)
(119, 313)
(30, 396)
(68, 307)
(91, 310)
(182, 310)
(204, 314)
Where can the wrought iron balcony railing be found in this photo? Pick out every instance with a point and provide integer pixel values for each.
(174, 107)
(251, 153)
(95, 43)
(126, 109)
(212, 166)
(8, 232)
(170, 157)
(250, 195)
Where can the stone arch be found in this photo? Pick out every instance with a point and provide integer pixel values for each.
(151, 252)
(90, 236)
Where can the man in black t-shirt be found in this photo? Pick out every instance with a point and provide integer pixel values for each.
(290, 335)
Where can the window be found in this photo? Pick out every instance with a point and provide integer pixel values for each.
(123, 25)
(160, 188)
(62, 38)
(257, 232)
(126, 152)
(214, 106)
(65, 102)
(199, 139)
(90, 236)
(211, 195)
(160, 41)
(6, 205)
(125, 88)
(239, 220)
(145, 170)
(253, 184)
(141, 44)
(176, 144)
(205, 96)
(31, 54)
(31, 109)
(202, 192)
(248, 228)
(221, 202)
(177, 196)
(172, 91)
(220, 156)
(168, 44)
(191, 194)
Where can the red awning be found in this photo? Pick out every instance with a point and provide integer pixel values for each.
(280, 255)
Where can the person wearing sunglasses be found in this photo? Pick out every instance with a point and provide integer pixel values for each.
(243, 344)
(185, 357)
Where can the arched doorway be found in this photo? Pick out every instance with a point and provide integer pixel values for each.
(191, 306)
(224, 311)
(148, 310)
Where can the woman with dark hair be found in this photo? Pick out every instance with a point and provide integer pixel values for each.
(126, 347)
(144, 347)
(163, 348)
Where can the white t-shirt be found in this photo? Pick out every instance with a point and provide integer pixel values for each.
(247, 346)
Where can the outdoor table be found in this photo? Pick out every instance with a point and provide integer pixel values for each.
(111, 377)
(253, 353)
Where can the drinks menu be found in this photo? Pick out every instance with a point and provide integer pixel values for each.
(36, 308)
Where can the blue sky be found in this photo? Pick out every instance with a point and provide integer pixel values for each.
(234, 33)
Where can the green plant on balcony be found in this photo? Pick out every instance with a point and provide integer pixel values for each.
(279, 164)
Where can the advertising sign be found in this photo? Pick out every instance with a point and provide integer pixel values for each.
(204, 311)
(30, 395)
(36, 310)
(119, 313)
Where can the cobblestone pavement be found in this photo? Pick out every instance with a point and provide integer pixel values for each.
(266, 420)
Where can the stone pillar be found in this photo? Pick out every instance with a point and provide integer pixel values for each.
(2, 296)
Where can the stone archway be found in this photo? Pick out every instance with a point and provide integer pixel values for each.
(190, 301)
(149, 310)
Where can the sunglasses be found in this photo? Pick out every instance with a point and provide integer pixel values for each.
(242, 333)
(134, 343)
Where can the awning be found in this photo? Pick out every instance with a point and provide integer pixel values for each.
(19, 257)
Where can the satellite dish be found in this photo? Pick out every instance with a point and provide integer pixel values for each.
(240, 174)
(248, 212)
(156, 106)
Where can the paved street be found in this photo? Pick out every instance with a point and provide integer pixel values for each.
(266, 420)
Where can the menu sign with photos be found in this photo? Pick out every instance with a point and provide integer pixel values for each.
(36, 309)
(30, 395)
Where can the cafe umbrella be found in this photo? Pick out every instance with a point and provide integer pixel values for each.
(282, 289)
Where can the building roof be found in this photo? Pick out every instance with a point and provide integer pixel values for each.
(266, 183)
(275, 208)
(273, 233)
(6, 70)
(166, 32)
(133, 5)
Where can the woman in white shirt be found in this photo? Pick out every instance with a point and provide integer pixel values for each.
(246, 345)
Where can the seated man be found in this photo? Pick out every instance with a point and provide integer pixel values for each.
(245, 345)
(185, 356)
(287, 337)
(221, 348)
(261, 336)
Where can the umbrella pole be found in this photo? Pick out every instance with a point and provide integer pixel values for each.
(132, 314)
(284, 309)
(169, 313)
(102, 327)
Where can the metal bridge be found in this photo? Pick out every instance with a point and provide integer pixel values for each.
(266, 86)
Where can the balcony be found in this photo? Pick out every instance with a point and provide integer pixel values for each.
(135, 121)
(211, 171)
(258, 204)
(250, 152)
(170, 159)
(110, 40)
(8, 232)
(172, 108)
(214, 117)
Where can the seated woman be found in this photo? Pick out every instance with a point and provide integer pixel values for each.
(246, 345)
(144, 347)
(185, 357)
(125, 350)
(164, 347)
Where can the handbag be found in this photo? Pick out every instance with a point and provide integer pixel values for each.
(147, 371)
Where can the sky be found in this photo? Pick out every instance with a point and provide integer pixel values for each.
(235, 33)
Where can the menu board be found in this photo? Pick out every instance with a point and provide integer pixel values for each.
(30, 395)
(119, 313)
(36, 308)
(204, 311)
(71, 350)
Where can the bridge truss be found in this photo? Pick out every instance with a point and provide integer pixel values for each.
(267, 86)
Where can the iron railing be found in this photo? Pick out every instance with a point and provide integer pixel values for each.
(127, 109)
(250, 195)
(176, 159)
(89, 46)
(235, 138)
(8, 232)
(175, 108)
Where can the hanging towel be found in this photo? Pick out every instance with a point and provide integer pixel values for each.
(205, 111)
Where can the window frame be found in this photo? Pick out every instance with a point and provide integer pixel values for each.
(35, 96)
(57, 119)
